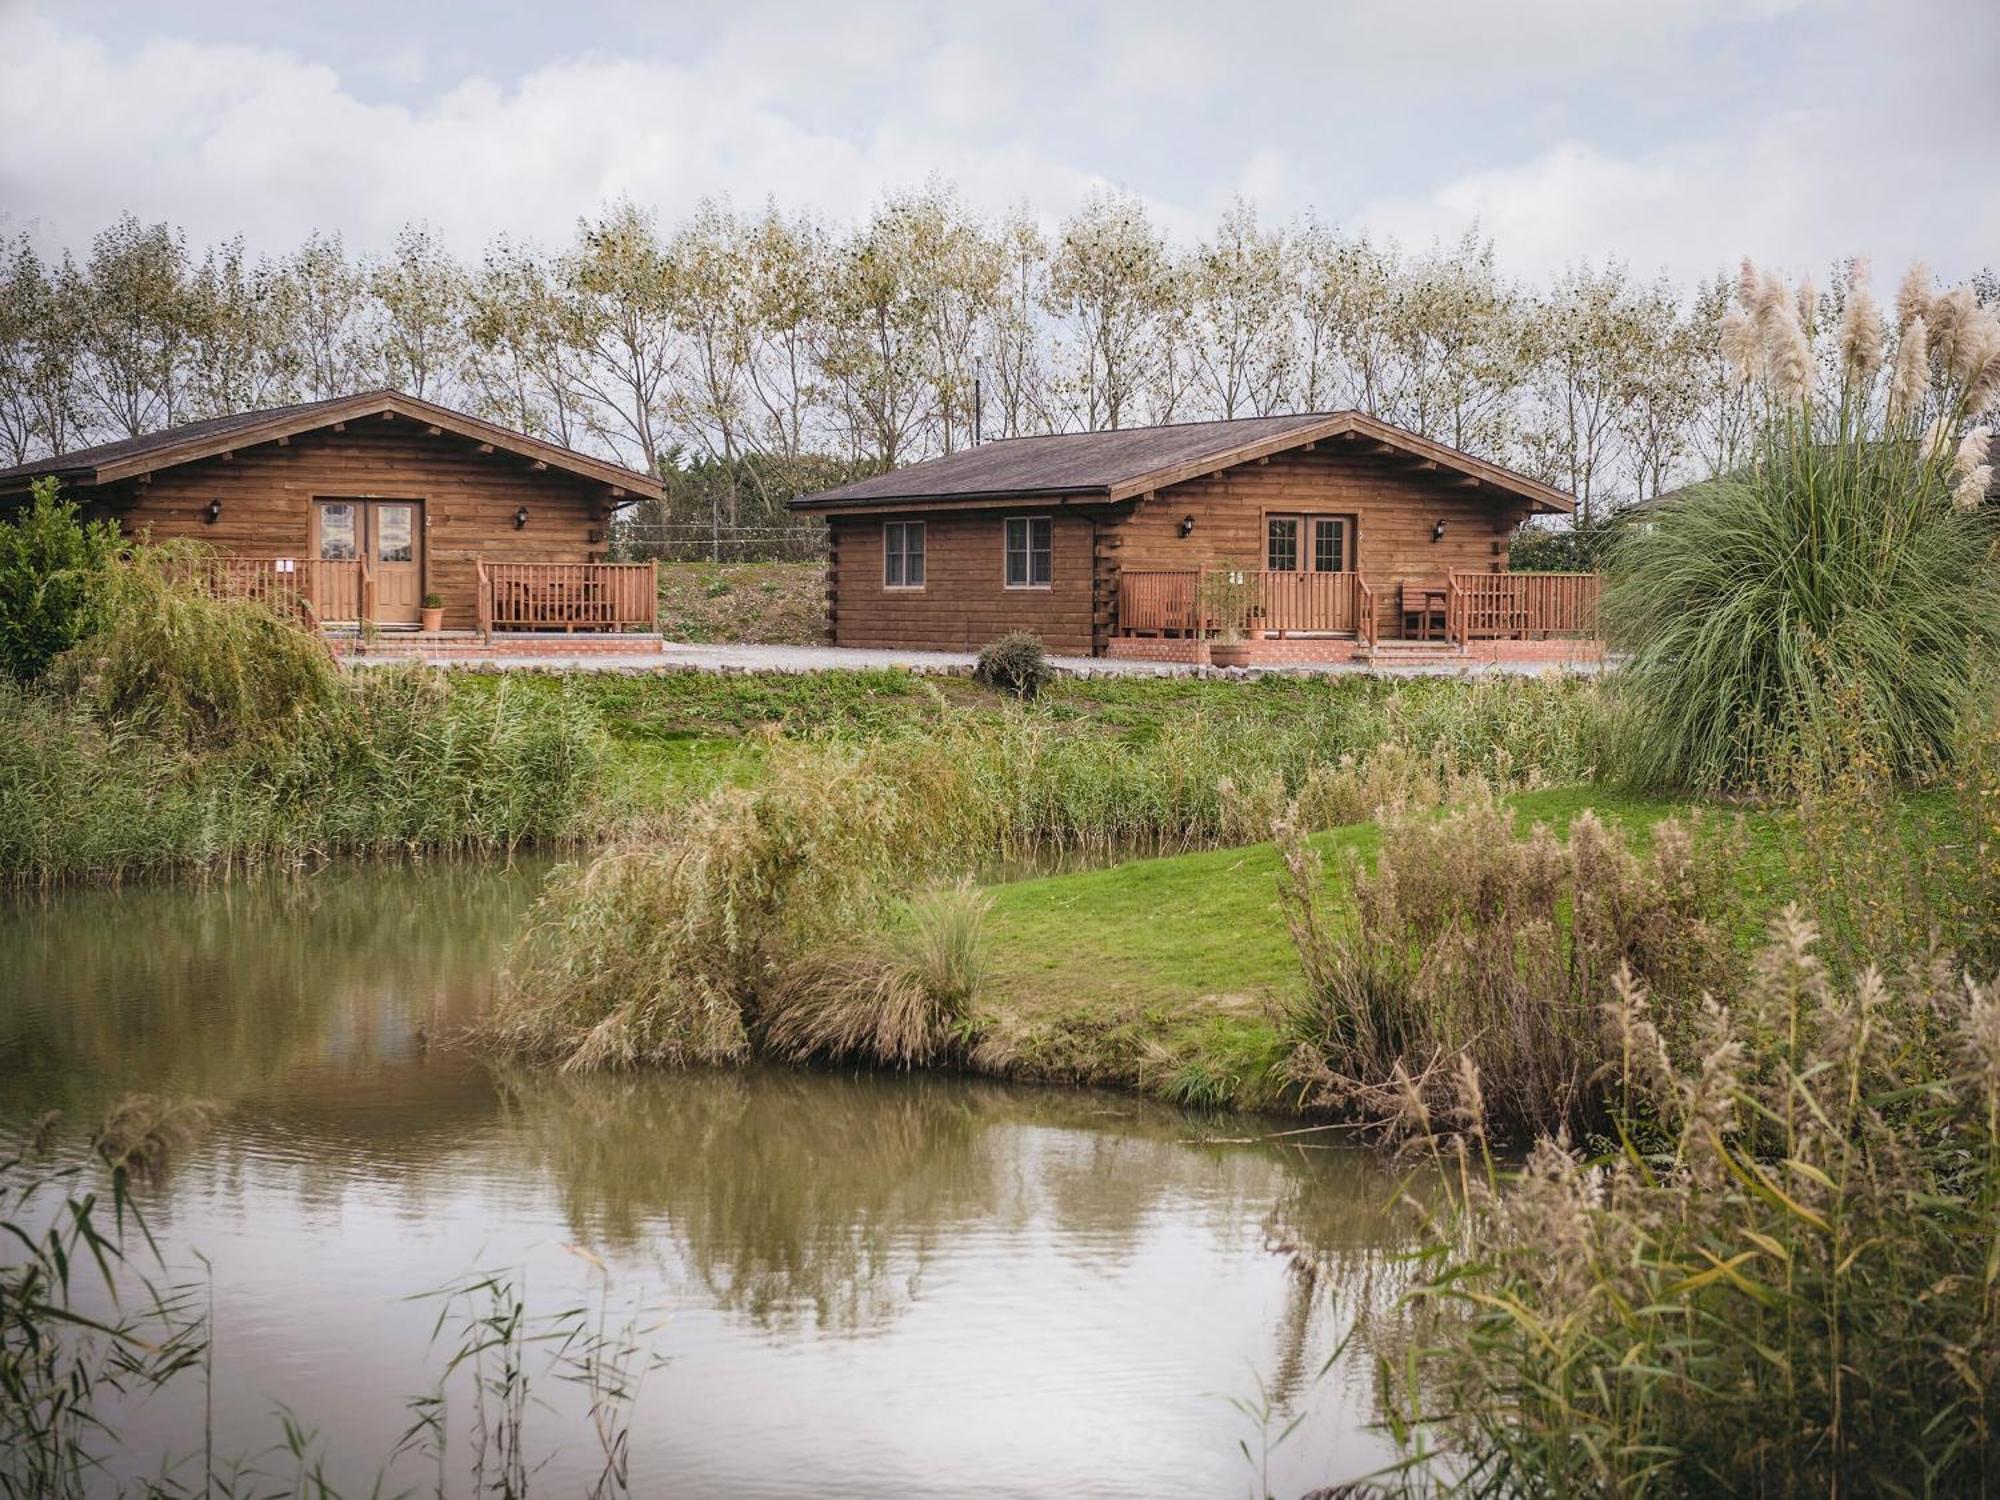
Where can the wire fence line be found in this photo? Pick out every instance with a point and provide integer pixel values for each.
(693, 542)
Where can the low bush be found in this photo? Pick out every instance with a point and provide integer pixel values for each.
(1469, 945)
(51, 568)
(1016, 665)
(1780, 1283)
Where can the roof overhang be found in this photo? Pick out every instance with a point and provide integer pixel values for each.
(1349, 427)
(627, 486)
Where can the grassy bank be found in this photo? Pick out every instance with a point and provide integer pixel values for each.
(1173, 975)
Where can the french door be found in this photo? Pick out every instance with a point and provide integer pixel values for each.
(389, 536)
(1309, 588)
(1308, 544)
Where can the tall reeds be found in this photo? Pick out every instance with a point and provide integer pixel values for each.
(1469, 947)
(1781, 1280)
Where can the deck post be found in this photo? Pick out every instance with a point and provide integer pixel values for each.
(483, 600)
(367, 594)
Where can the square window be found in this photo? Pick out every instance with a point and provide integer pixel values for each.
(903, 554)
(1030, 547)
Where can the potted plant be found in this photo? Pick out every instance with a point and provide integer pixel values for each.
(432, 613)
(1229, 595)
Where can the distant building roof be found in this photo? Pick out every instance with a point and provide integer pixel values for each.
(108, 462)
(1129, 461)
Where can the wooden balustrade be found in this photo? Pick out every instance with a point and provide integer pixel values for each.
(1307, 603)
(1158, 601)
(568, 596)
(1521, 606)
(1165, 601)
(511, 596)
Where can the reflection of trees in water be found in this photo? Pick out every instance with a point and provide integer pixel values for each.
(818, 1197)
(229, 989)
(1344, 1239)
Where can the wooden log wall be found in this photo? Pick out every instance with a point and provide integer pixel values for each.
(964, 602)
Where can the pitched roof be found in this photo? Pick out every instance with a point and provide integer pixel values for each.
(1129, 461)
(108, 462)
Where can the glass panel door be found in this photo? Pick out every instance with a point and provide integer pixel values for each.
(339, 531)
(1330, 544)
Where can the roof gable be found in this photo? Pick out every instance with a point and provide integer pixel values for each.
(109, 462)
(1127, 462)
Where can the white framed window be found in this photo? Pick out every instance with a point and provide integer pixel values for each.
(903, 554)
(1030, 552)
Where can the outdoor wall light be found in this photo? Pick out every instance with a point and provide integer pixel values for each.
(521, 519)
(214, 511)
(1437, 531)
(1187, 525)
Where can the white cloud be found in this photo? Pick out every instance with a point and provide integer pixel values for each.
(1680, 133)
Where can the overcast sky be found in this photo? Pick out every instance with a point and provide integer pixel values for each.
(1677, 134)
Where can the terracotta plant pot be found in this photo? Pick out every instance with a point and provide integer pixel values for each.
(1229, 653)
(432, 619)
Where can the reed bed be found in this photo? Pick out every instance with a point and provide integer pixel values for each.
(1779, 1280)
(670, 948)
(1471, 947)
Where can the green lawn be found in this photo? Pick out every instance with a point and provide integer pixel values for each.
(1168, 973)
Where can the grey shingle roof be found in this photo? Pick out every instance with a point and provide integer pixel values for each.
(196, 440)
(1120, 463)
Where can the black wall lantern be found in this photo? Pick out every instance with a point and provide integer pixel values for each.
(521, 519)
(214, 511)
(1437, 531)
(1187, 525)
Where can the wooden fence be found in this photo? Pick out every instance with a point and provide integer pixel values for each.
(1166, 601)
(568, 596)
(1521, 606)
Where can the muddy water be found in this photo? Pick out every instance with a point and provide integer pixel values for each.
(845, 1284)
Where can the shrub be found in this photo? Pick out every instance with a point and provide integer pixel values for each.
(1780, 1284)
(51, 566)
(1015, 664)
(1470, 944)
(1850, 563)
(187, 666)
(898, 998)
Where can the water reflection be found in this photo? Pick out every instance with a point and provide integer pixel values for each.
(930, 1284)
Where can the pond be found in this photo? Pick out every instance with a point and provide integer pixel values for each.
(855, 1284)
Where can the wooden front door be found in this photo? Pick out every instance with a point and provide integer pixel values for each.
(388, 537)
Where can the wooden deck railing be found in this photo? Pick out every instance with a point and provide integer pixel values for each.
(1307, 603)
(316, 591)
(568, 596)
(1158, 601)
(1521, 606)
(511, 596)
(1165, 601)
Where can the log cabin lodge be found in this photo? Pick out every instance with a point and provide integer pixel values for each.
(1364, 541)
(357, 508)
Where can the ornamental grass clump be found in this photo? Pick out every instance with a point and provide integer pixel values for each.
(1470, 945)
(898, 997)
(655, 953)
(1851, 560)
(1783, 1278)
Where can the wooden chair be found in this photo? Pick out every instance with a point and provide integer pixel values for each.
(1422, 604)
